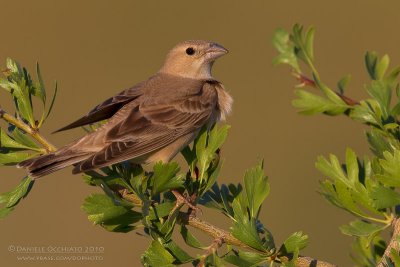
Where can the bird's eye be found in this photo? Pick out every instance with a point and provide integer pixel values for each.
(190, 51)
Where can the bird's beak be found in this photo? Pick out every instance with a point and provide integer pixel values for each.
(215, 51)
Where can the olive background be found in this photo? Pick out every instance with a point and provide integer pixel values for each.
(94, 49)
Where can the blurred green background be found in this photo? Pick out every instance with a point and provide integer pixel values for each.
(95, 49)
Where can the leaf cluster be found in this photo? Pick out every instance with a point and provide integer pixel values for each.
(156, 210)
(368, 188)
(15, 144)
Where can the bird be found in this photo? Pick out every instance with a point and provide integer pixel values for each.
(151, 121)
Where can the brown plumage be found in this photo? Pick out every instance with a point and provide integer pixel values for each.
(152, 121)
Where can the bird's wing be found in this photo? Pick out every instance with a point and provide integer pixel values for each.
(152, 125)
(106, 109)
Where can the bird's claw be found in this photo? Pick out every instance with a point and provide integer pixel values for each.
(181, 200)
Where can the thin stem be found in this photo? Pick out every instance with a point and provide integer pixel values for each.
(305, 81)
(26, 128)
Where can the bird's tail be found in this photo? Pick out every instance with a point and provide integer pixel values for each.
(49, 163)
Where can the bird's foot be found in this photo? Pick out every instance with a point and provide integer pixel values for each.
(182, 200)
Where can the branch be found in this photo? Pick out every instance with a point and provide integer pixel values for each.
(216, 244)
(304, 81)
(27, 129)
(393, 244)
(228, 238)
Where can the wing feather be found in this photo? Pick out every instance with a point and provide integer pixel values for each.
(152, 125)
(106, 109)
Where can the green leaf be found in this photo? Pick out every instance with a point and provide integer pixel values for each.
(161, 210)
(165, 177)
(5, 84)
(11, 198)
(361, 228)
(391, 169)
(245, 258)
(39, 90)
(206, 146)
(382, 67)
(23, 138)
(4, 212)
(343, 83)
(257, 189)
(309, 42)
(7, 142)
(384, 197)
(21, 91)
(13, 158)
(368, 112)
(382, 93)
(157, 255)
(217, 137)
(213, 176)
(371, 60)
(53, 99)
(367, 253)
(179, 254)
(296, 242)
(245, 229)
(102, 210)
(190, 156)
(190, 239)
(378, 143)
(310, 104)
(395, 257)
(285, 48)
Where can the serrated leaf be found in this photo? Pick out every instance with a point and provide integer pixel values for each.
(352, 166)
(22, 138)
(165, 177)
(217, 137)
(102, 210)
(366, 253)
(384, 197)
(161, 210)
(361, 228)
(206, 145)
(11, 198)
(157, 255)
(179, 254)
(285, 48)
(7, 142)
(245, 258)
(190, 239)
(296, 242)
(257, 189)
(310, 104)
(391, 169)
(378, 143)
(382, 93)
(245, 229)
(13, 158)
(368, 112)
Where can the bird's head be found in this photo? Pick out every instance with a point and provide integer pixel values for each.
(193, 59)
